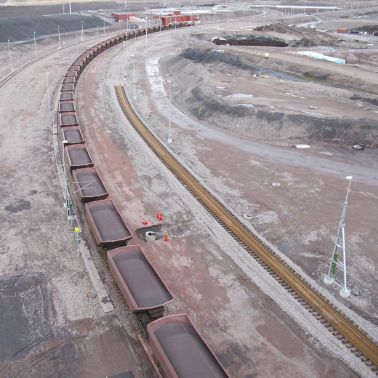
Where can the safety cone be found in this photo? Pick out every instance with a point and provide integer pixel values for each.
(166, 238)
(159, 217)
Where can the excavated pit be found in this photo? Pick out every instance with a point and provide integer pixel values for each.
(250, 40)
(152, 233)
(295, 110)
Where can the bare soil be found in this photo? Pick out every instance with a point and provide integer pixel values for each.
(244, 326)
(295, 100)
(226, 132)
(53, 323)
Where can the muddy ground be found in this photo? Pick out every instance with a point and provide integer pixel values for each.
(299, 215)
(281, 98)
(252, 324)
(221, 106)
(53, 323)
(200, 263)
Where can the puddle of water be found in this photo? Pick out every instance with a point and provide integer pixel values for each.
(204, 131)
(240, 96)
(18, 206)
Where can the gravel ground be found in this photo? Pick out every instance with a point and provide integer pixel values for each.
(141, 188)
(241, 311)
(303, 230)
(52, 321)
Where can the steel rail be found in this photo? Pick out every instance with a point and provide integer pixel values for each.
(14, 73)
(303, 291)
(18, 70)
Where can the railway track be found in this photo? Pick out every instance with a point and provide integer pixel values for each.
(4, 80)
(343, 328)
(18, 70)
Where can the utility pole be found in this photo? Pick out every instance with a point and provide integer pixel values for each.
(82, 30)
(35, 46)
(10, 56)
(47, 90)
(133, 56)
(338, 260)
(59, 36)
(69, 4)
(169, 139)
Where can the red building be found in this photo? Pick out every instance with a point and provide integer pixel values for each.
(178, 18)
(119, 17)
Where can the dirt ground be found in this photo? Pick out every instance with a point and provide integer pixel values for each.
(53, 323)
(251, 323)
(200, 263)
(140, 191)
(330, 116)
(292, 197)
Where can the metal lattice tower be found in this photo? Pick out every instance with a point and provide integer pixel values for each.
(72, 218)
(338, 260)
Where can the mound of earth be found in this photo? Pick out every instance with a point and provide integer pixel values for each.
(250, 40)
(277, 28)
(305, 37)
(237, 93)
(367, 28)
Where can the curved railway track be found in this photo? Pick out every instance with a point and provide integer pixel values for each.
(18, 70)
(342, 327)
(4, 80)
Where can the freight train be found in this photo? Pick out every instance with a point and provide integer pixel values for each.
(177, 345)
